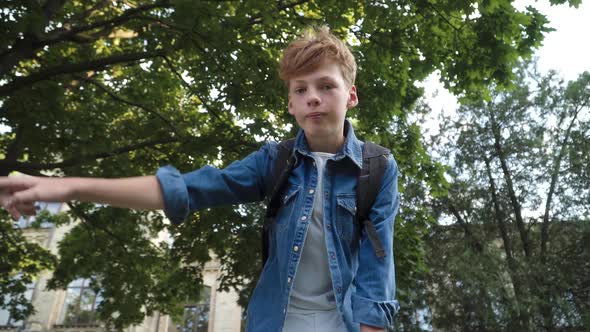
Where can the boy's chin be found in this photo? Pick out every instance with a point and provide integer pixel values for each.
(320, 134)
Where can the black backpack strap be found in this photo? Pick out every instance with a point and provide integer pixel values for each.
(368, 186)
(282, 168)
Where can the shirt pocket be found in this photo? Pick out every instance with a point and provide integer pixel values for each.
(346, 215)
(288, 202)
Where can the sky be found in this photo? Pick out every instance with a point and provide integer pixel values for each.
(565, 50)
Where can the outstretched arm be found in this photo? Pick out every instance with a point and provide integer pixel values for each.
(19, 193)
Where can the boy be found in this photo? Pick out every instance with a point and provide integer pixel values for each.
(318, 276)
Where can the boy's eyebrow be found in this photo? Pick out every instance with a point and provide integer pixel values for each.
(323, 78)
(320, 79)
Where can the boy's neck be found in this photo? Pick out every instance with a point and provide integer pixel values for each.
(329, 145)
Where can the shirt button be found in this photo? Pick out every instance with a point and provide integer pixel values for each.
(295, 248)
(329, 227)
(339, 289)
(289, 280)
(332, 254)
(304, 218)
(311, 191)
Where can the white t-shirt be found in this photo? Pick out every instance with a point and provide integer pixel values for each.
(312, 284)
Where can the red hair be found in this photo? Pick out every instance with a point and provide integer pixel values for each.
(312, 50)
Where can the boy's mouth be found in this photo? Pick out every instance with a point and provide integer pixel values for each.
(314, 115)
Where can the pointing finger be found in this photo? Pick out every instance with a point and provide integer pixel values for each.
(27, 209)
(8, 182)
(4, 199)
(5, 181)
(13, 212)
(25, 197)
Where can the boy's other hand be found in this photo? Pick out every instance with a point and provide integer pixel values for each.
(18, 194)
(367, 328)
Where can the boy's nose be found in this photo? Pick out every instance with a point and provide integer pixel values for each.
(313, 101)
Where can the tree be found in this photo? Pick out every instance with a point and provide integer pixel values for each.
(109, 89)
(519, 198)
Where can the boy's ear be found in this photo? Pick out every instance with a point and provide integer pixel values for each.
(353, 99)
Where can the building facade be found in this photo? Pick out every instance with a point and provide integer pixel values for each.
(74, 309)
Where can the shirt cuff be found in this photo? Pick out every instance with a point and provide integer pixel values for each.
(175, 193)
(373, 313)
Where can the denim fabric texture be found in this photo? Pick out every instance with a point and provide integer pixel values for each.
(363, 284)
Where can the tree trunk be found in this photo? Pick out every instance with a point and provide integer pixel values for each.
(518, 283)
(524, 236)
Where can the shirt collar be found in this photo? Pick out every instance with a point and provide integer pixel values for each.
(351, 147)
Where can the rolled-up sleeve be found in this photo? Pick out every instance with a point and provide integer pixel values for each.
(175, 193)
(240, 182)
(373, 301)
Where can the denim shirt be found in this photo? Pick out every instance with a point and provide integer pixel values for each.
(363, 284)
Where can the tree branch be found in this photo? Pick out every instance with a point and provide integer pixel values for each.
(498, 216)
(524, 236)
(97, 64)
(101, 86)
(70, 34)
(442, 16)
(160, 22)
(85, 218)
(258, 18)
(516, 279)
(27, 166)
(89, 222)
(25, 48)
(204, 102)
(84, 14)
(475, 243)
(554, 178)
(126, 16)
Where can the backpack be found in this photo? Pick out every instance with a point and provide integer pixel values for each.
(369, 182)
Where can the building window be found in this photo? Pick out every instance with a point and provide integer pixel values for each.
(5, 318)
(80, 304)
(196, 314)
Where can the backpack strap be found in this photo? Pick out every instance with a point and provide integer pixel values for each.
(368, 186)
(282, 168)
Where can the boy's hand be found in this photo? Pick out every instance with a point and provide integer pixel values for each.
(18, 194)
(367, 328)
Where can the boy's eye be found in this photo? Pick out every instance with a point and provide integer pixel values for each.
(299, 90)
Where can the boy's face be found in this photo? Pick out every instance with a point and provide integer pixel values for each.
(319, 101)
